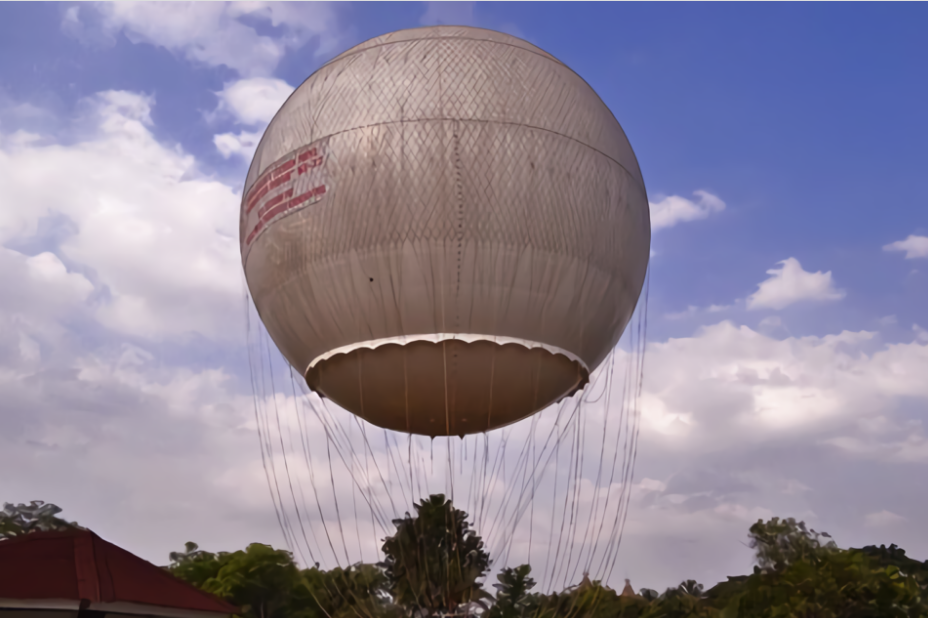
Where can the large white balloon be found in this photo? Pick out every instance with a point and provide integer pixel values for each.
(445, 230)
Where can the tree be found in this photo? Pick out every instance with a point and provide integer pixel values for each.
(688, 600)
(512, 593)
(434, 560)
(648, 594)
(267, 582)
(261, 580)
(799, 576)
(196, 566)
(359, 591)
(37, 516)
(779, 543)
(895, 556)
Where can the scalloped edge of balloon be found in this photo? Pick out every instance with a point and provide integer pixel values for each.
(439, 338)
(466, 338)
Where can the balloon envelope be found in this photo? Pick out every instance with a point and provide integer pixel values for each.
(445, 230)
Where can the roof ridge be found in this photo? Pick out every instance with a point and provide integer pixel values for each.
(85, 564)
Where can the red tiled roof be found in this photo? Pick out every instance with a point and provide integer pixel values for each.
(78, 565)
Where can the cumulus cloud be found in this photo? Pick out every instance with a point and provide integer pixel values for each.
(790, 284)
(913, 246)
(160, 236)
(43, 300)
(693, 310)
(739, 425)
(730, 380)
(242, 144)
(63, 429)
(671, 210)
(883, 518)
(214, 33)
(149, 250)
(255, 100)
(770, 323)
(920, 333)
(43, 285)
(251, 102)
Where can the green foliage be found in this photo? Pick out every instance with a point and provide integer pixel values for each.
(895, 556)
(590, 599)
(434, 560)
(801, 573)
(687, 599)
(779, 543)
(260, 580)
(649, 595)
(799, 576)
(722, 594)
(266, 583)
(359, 590)
(196, 566)
(37, 516)
(843, 583)
(512, 593)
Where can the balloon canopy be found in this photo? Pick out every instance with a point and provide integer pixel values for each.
(445, 230)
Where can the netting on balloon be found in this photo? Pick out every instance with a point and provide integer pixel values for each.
(552, 490)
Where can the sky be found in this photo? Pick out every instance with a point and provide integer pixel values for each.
(784, 151)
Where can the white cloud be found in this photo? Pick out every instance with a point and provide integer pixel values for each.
(242, 144)
(793, 487)
(42, 298)
(790, 284)
(254, 101)
(673, 209)
(43, 285)
(766, 412)
(730, 380)
(692, 310)
(910, 448)
(160, 237)
(883, 518)
(213, 33)
(63, 430)
(646, 485)
(742, 513)
(920, 333)
(771, 322)
(914, 247)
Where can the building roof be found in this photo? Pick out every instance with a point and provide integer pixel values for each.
(628, 591)
(76, 568)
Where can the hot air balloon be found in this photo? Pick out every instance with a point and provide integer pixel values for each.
(445, 230)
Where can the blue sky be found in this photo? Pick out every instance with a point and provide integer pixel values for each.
(802, 126)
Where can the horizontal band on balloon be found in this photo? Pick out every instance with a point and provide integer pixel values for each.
(295, 181)
(281, 174)
(271, 211)
(438, 338)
